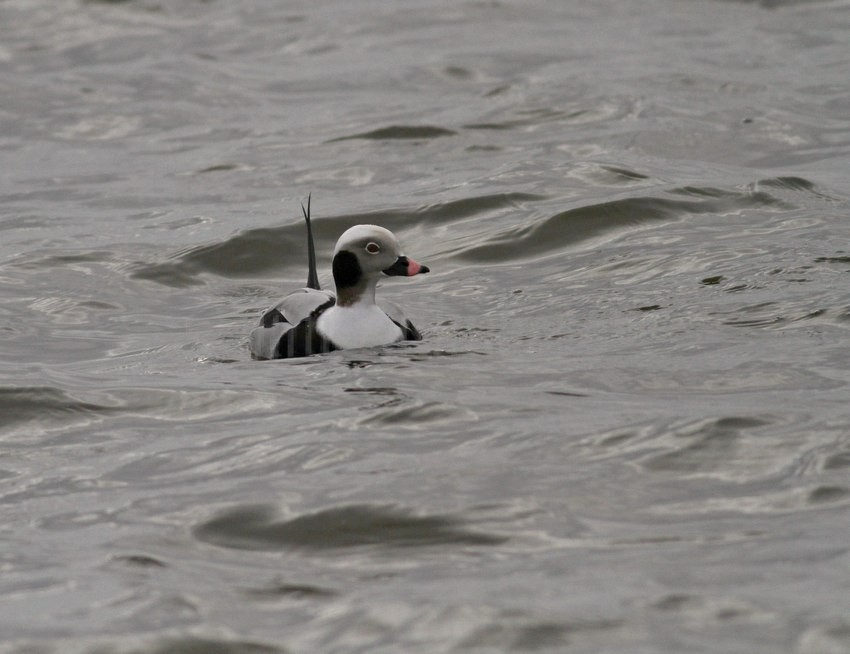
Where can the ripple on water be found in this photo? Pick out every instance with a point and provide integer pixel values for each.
(829, 637)
(736, 448)
(704, 447)
(793, 185)
(261, 527)
(783, 314)
(417, 416)
(785, 501)
(747, 376)
(34, 406)
(249, 253)
(162, 645)
(192, 645)
(454, 210)
(35, 410)
(567, 228)
(598, 174)
(394, 132)
(285, 589)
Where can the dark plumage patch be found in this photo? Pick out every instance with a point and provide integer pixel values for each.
(409, 332)
(346, 270)
(271, 317)
(304, 338)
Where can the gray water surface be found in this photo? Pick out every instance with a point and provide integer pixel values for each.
(627, 427)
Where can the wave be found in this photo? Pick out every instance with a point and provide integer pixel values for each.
(399, 132)
(34, 409)
(572, 226)
(260, 527)
(268, 250)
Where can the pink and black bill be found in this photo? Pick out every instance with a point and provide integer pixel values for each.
(405, 267)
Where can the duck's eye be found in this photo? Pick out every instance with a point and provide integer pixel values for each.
(373, 248)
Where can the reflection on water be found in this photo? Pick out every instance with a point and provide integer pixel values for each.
(626, 427)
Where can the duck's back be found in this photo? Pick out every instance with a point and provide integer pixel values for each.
(288, 329)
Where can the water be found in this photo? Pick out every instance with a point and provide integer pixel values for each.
(627, 428)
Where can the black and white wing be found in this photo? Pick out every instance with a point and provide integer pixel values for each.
(410, 333)
(288, 329)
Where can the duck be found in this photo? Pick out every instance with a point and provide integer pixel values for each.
(312, 320)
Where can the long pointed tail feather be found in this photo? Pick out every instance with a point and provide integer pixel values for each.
(312, 274)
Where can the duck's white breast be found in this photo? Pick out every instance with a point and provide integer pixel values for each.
(360, 325)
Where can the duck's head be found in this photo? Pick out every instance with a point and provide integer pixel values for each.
(362, 254)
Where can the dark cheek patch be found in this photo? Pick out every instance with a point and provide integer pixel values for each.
(346, 270)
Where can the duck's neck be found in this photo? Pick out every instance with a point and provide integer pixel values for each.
(352, 286)
(362, 293)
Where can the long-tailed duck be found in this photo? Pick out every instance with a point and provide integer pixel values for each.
(311, 321)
